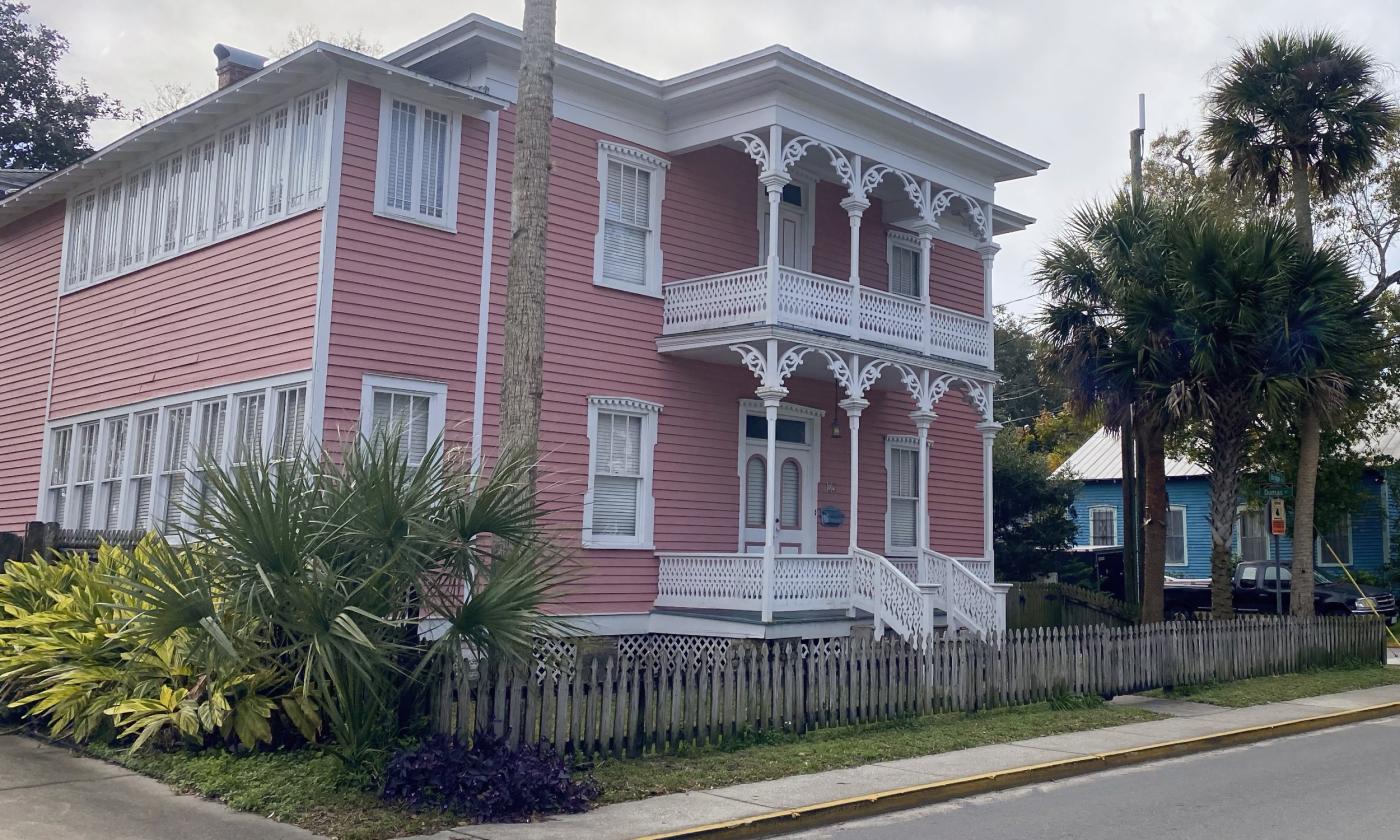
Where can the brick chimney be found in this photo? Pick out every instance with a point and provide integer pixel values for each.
(235, 65)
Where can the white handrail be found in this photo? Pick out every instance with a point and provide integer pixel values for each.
(881, 589)
(970, 601)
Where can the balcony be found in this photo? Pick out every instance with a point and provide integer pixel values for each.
(800, 299)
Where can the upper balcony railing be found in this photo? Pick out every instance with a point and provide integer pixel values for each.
(824, 304)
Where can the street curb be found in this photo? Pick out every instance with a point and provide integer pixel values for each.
(899, 799)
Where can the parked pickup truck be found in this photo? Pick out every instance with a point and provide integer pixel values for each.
(1255, 590)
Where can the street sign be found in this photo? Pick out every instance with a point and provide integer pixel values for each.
(1275, 478)
(1278, 518)
(1279, 492)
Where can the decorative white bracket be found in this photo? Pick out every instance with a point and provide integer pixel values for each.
(927, 390)
(757, 362)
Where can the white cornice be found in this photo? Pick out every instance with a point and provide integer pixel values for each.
(633, 153)
(626, 404)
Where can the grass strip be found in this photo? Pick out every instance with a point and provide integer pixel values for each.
(1285, 687)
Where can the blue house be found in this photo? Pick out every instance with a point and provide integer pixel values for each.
(1361, 542)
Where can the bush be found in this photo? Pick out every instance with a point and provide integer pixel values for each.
(489, 781)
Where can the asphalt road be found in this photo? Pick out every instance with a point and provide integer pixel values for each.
(1336, 784)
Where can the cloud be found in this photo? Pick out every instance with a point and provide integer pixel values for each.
(1058, 79)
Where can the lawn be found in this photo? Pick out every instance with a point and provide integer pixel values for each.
(829, 749)
(1253, 692)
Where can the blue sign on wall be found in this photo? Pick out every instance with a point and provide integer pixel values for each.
(831, 517)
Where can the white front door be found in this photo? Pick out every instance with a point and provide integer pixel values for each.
(796, 483)
(794, 242)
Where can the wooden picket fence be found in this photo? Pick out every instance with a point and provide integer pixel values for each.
(605, 705)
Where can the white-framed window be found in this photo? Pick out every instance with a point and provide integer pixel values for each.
(415, 409)
(627, 250)
(142, 466)
(1176, 535)
(1335, 544)
(617, 507)
(905, 260)
(1103, 525)
(1252, 534)
(902, 495)
(416, 170)
(254, 172)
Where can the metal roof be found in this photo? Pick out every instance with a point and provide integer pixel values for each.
(13, 180)
(1100, 459)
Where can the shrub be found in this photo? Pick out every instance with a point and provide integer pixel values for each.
(489, 781)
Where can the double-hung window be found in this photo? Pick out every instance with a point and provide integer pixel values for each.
(411, 412)
(617, 508)
(627, 251)
(902, 507)
(1103, 525)
(1252, 534)
(144, 466)
(417, 165)
(1176, 535)
(905, 264)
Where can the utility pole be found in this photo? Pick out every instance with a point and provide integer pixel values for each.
(1131, 456)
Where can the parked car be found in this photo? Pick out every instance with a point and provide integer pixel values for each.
(1255, 590)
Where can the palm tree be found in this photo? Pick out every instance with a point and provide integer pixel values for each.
(1299, 112)
(523, 386)
(1108, 327)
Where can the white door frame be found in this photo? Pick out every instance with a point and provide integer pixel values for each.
(804, 214)
(808, 457)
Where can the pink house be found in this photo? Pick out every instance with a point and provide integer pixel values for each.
(750, 441)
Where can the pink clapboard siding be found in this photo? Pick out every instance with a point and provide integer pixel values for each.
(405, 296)
(958, 282)
(236, 310)
(30, 251)
(603, 342)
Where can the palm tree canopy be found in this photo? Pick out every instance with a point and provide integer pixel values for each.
(1296, 99)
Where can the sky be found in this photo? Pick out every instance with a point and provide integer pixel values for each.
(1056, 78)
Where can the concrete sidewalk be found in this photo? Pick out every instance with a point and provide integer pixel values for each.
(674, 812)
(48, 793)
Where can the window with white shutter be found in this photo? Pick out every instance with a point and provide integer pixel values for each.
(417, 166)
(415, 411)
(618, 503)
(1176, 536)
(627, 251)
(254, 172)
(143, 466)
(1103, 525)
(60, 455)
(174, 467)
(902, 502)
(113, 471)
(905, 268)
(755, 491)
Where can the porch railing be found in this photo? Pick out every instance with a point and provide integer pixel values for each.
(824, 304)
(972, 602)
(865, 581)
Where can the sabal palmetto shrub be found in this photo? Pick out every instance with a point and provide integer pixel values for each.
(328, 591)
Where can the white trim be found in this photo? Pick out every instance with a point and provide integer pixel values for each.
(268, 387)
(1185, 537)
(811, 483)
(808, 184)
(907, 443)
(656, 167)
(451, 173)
(483, 312)
(1113, 538)
(325, 276)
(649, 413)
(1349, 560)
(436, 392)
(212, 133)
(907, 242)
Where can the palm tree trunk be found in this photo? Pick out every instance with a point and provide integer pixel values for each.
(1309, 435)
(523, 384)
(1227, 444)
(1154, 532)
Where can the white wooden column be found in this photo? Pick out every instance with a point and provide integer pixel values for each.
(925, 232)
(853, 408)
(855, 207)
(988, 250)
(772, 396)
(774, 178)
(922, 419)
(989, 431)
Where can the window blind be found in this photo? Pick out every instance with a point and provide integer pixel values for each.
(755, 491)
(790, 488)
(617, 478)
(903, 497)
(174, 464)
(113, 470)
(904, 271)
(627, 223)
(404, 415)
(1176, 536)
(213, 188)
